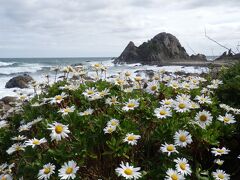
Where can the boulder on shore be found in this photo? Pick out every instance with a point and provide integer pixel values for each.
(21, 81)
(161, 49)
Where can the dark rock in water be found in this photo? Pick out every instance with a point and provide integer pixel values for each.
(149, 73)
(78, 64)
(228, 55)
(162, 48)
(21, 81)
(199, 57)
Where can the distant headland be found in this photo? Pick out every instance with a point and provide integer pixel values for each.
(165, 49)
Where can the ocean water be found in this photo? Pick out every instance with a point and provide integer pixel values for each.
(37, 67)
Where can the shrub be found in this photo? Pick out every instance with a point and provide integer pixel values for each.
(101, 129)
(229, 92)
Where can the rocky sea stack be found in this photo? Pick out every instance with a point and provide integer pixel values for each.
(160, 50)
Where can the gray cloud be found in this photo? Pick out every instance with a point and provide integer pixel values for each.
(103, 28)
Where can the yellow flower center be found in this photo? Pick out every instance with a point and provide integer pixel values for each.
(110, 130)
(181, 106)
(131, 138)
(67, 110)
(167, 102)
(182, 166)
(162, 112)
(220, 151)
(120, 81)
(127, 74)
(182, 138)
(170, 147)
(36, 142)
(46, 170)
(113, 101)
(58, 129)
(58, 97)
(90, 92)
(69, 170)
(128, 171)
(138, 78)
(113, 123)
(131, 105)
(221, 176)
(18, 148)
(154, 88)
(203, 118)
(225, 119)
(174, 177)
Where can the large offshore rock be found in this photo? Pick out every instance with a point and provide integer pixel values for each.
(161, 48)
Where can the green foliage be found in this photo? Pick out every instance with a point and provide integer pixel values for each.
(98, 154)
(229, 92)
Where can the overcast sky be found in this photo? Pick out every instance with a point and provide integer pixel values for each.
(87, 28)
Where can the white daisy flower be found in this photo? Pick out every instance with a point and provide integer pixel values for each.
(3, 124)
(182, 166)
(3, 167)
(59, 131)
(128, 172)
(173, 175)
(113, 122)
(46, 171)
(68, 170)
(227, 119)
(19, 138)
(203, 119)
(128, 90)
(138, 78)
(220, 151)
(152, 87)
(220, 175)
(162, 112)
(182, 138)
(219, 162)
(131, 138)
(16, 147)
(183, 97)
(86, 112)
(67, 110)
(35, 142)
(131, 105)
(182, 106)
(109, 129)
(90, 92)
(103, 93)
(203, 99)
(112, 100)
(97, 66)
(168, 148)
(58, 98)
(194, 105)
(174, 84)
(167, 102)
(24, 127)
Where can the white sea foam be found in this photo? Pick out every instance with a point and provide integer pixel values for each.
(2, 64)
(25, 68)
